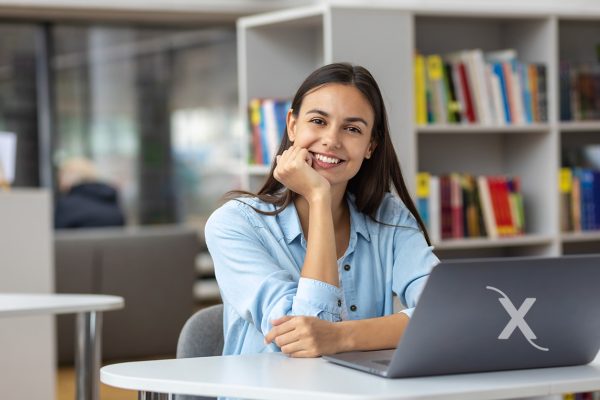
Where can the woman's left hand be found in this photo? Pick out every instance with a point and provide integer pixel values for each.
(300, 336)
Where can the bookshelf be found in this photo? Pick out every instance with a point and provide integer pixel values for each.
(277, 50)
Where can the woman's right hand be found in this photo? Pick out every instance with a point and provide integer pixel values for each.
(294, 170)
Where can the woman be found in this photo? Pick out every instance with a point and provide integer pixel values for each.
(308, 265)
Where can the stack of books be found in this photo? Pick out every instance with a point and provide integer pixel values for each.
(267, 119)
(471, 87)
(465, 206)
(579, 92)
(580, 199)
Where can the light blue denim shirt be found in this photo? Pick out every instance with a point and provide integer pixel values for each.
(258, 260)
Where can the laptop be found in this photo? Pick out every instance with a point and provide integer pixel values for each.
(496, 314)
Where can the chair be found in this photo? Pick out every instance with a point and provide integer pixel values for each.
(201, 336)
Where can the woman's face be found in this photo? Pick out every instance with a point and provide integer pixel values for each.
(334, 124)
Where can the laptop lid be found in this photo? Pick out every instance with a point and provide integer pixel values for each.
(499, 314)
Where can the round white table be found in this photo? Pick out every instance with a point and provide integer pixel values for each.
(89, 308)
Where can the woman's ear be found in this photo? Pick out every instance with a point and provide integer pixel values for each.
(370, 149)
(291, 125)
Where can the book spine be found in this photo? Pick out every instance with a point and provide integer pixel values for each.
(487, 207)
(423, 197)
(466, 88)
(420, 90)
(542, 92)
(446, 206)
(435, 230)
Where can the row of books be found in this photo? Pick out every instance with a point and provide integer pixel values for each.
(579, 92)
(469, 86)
(464, 206)
(582, 396)
(267, 123)
(580, 199)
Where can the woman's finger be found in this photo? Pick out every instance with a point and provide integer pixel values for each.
(287, 339)
(292, 347)
(303, 354)
(281, 329)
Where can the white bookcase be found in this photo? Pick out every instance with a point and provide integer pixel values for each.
(276, 51)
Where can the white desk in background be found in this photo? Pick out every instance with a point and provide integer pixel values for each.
(88, 308)
(276, 376)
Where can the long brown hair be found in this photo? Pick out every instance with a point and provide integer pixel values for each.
(376, 175)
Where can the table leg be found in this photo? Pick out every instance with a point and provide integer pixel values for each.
(154, 396)
(87, 355)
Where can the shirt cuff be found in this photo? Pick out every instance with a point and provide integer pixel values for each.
(317, 298)
(408, 312)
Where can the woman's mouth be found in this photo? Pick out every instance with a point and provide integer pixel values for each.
(326, 162)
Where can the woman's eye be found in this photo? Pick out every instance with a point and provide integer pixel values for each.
(317, 121)
(353, 129)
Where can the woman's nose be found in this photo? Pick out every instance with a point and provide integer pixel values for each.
(331, 138)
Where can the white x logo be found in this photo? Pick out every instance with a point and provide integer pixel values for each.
(517, 318)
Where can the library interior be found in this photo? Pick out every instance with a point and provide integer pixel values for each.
(124, 123)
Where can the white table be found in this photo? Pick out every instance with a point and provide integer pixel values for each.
(89, 310)
(275, 376)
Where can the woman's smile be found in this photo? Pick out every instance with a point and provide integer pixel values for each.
(326, 161)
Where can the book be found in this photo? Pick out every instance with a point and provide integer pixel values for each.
(435, 77)
(516, 204)
(435, 230)
(423, 196)
(454, 105)
(487, 207)
(446, 207)
(542, 93)
(256, 155)
(420, 90)
(456, 205)
(566, 187)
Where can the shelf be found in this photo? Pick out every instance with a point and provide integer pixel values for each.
(580, 126)
(310, 16)
(578, 237)
(479, 129)
(255, 169)
(481, 243)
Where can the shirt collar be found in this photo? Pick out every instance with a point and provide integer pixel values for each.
(290, 223)
(358, 220)
(291, 227)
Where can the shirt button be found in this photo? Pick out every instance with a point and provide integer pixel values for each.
(346, 267)
(352, 307)
(339, 303)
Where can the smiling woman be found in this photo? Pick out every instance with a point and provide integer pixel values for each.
(309, 264)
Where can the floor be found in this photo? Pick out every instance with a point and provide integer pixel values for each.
(65, 388)
(65, 383)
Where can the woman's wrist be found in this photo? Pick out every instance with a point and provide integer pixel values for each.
(319, 197)
(345, 336)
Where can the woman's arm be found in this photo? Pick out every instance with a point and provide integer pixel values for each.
(320, 262)
(313, 337)
(295, 172)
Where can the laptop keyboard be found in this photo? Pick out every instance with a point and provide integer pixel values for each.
(382, 362)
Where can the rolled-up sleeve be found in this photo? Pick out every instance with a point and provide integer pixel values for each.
(319, 299)
(256, 278)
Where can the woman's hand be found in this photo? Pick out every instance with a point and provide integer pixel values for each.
(294, 170)
(305, 336)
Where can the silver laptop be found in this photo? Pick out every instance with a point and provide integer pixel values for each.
(496, 314)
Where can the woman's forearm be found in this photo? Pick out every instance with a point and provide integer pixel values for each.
(372, 334)
(320, 262)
